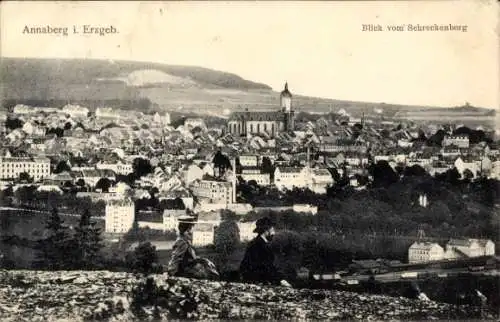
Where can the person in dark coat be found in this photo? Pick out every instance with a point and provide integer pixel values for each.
(184, 262)
(183, 254)
(257, 265)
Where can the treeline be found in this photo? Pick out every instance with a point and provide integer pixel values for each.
(475, 136)
(64, 247)
(29, 197)
(390, 205)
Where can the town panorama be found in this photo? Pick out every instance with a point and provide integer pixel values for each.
(365, 203)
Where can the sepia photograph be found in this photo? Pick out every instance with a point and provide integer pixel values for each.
(260, 160)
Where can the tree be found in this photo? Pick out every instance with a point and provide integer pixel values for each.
(267, 166)
(88, 238)
(135, 233)
(141, 167)
(227, 237)
(62, 166)
(383, 174)
(67, 126)
(13, 124)
(437, 138)
(468, 175)
(415, 170)
(57, 131)
(104, 184)
(57, 249)
(80, 183)
(221, 162)
(24, 177)
(144, 259)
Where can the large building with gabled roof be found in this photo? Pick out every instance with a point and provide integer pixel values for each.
(269, 123)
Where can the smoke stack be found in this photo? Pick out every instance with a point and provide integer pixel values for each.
(233, 181)
(308, 156)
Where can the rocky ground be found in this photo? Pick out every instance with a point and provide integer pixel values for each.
(102, 295)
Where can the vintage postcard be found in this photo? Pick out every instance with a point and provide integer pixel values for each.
(282, 160)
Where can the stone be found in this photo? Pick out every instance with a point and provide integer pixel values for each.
(47, 296)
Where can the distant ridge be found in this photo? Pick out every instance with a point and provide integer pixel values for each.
(144, 85)
(81, 71)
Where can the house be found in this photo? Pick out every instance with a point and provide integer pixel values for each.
(50, 188)
(464, 248)
(106, 113)
(203, 234)
(192, 173)
(37, 168)
(460, 140)
(255, 174)
(249, 160)
(246, 230)
(116, 167)
(207, 168)
(212, 191)
(75, 111)
(290, 177)
(305, 208)
(119, 215)
(92, 176)
(171, 218)
(422, 252)
(464, 164)
(320, 179)
(170, 184)
(191, 123)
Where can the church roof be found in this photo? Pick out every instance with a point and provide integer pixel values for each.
(286, 92)
(257, 116)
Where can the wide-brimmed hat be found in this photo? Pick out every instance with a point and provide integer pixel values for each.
(263, 224)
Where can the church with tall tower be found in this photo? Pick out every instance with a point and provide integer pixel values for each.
(269, 123)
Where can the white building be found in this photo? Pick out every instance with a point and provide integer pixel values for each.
(462, 141)
(463, 248)
(118, 167)
(203, 234)
(171, 218)
(191, 123)
(255, 173)
(192, 173)
(290, 177)
(23, 109)
(75, 111)
(119, 215)
(462, 165)
(246, 230)
(218, 192)
(315, 179)
(37, 168)
(107, 113)
(421, 252)
(305, 208)
(248, 160)
(320, 179)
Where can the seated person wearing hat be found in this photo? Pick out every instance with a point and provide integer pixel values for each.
(184, 262)
(257, 265)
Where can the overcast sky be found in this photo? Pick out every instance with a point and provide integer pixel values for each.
(319, 48)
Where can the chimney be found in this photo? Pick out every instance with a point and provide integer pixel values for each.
(308, 156)
(233, 181)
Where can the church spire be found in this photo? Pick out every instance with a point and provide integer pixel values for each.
(285, 92)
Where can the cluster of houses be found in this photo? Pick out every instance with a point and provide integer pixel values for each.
(105, 143)
(425, 252)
